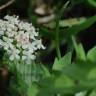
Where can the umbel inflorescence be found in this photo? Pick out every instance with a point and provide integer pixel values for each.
(19, 39)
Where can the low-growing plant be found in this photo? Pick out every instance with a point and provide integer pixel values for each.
(73, 74)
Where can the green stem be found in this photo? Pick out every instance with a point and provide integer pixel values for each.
(74, 43)
(57, 40)
(59, 14)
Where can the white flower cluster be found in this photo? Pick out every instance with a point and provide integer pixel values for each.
(19, 39)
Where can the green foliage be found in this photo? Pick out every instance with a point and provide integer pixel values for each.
(93, 93)
(92, 2)
(78, 28)
(69, 75)
(79, 50)
(65, 34)
(64, 76)
(63, 62)
(73, 30)
(91, 56)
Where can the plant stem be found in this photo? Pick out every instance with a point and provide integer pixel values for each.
(74, 41)
(57, 40)
(59, 14)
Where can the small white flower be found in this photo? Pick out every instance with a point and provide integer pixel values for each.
(14, 54)
(1, 32)
(7, 43)
(38, 44)
(19, 39)
(10, 27)
(33, 35)
(31, 48)
(24, 26)
(11, 33)
(12, 19)
(1, 43)
(22, 38)
(28, 57)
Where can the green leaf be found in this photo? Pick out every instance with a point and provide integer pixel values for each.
(64, 61)
(63, 81)
(75, 71)
(71, 22)
(92, 2)
(68, 32)
(56, 64)
(33, 90)
(91, 55)
(78, 28)
(93, 93)
(64, 85)
(92, 74)
(45, 71)
(53, 85)
(80, 53)
(66, 22)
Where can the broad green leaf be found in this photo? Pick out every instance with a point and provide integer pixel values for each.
(45, 71)
(56, 64)
(64, 61)
(78, 28)
(92, 74)
(63, 81)
(33, 90)
(66, 23)
(87, 84)
(57, 85)
(91, 55)
(53, 85)
(79, 70)
(80, 53)
(75, 72)
(93, 93)
(71, 22)
(68, 32)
